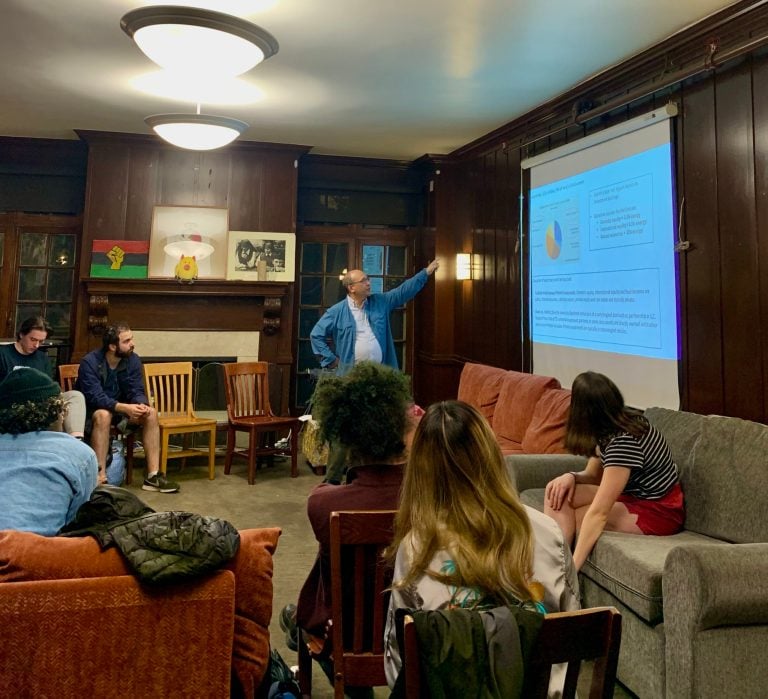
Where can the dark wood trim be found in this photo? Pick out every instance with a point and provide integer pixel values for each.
(170, 287)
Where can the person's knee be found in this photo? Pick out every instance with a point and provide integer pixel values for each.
(150, 417)
(101, 419)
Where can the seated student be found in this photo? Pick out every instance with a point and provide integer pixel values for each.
(367, 412)
(45, 476)
(26, 352)
(462, 537)
(630, 484)
(112, 381)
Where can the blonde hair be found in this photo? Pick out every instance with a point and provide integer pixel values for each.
(457, 497)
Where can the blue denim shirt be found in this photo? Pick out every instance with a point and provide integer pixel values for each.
(337, 323)
(44, 479)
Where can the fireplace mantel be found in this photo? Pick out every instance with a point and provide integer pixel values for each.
(169, 304)
(170, 287)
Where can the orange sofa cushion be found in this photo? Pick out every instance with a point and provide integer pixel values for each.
(27, 556)
(479, 385)
(516, 405)
(546, 433)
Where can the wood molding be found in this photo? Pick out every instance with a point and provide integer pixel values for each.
(170, 287)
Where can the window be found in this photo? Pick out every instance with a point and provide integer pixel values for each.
(38, 260)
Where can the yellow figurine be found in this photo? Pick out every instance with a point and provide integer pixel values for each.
(186, 269)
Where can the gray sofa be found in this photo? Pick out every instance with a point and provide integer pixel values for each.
(694, 605)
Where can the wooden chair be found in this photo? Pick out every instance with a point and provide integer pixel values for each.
(169, 386)
(249, 410)
(565, 637)
(67, 379)
(359, 600)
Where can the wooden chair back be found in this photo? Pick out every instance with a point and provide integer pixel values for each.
(68, 376)
(565, 637)
(249, 410)
(247, 388)
(169, 388)
(359, 597)
(573, 637)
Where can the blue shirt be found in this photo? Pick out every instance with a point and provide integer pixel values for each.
(339, 324)
(44, 479)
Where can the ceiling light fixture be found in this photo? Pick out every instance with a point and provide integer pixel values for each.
(196, 131)
(198, 40)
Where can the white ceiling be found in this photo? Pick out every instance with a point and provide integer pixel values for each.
(392, 79)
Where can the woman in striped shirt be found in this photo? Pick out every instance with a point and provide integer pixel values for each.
(630, 483)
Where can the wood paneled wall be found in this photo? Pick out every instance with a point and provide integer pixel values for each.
(129, 174)
(722, 190)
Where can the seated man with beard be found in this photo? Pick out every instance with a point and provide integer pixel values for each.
(111, 379)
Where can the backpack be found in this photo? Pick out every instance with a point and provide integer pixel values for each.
(280, 679)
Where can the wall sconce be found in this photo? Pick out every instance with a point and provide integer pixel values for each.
(464, 265)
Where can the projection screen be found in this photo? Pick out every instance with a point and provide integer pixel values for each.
(602, 288)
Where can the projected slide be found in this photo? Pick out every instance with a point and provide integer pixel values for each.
(602, 266)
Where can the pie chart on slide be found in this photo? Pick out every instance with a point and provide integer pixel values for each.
(554, 240)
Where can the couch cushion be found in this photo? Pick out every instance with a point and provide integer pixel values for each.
(27, 556)
(630, 566)
(517, 402)
(546, 433)
(727, 489)
(682, 431)
(479, 385)
(722, 472)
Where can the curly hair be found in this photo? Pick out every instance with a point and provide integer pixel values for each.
(31, 416)
(365, 411)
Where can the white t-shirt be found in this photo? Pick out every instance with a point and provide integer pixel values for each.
(367, 347)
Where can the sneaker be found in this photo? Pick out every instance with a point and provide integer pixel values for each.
(159, 484)
(288, 624)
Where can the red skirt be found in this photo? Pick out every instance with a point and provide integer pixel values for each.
(660, 517)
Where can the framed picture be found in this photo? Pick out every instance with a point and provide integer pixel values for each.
(261, 256)
(188, 242)
(119, 259)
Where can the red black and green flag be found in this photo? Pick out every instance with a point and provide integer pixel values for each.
(126, 259)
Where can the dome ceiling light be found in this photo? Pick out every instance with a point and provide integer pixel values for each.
(196, 131)
(198, 40)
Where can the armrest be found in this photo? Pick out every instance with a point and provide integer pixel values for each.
(713, 585)
(536, 470)
(708, 590)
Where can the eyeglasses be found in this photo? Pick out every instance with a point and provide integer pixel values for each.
(359, 281)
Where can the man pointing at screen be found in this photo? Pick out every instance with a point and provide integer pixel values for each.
(359, 325)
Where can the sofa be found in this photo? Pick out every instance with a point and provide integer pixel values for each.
(75, 622)
(694, 605)
(527, 412)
